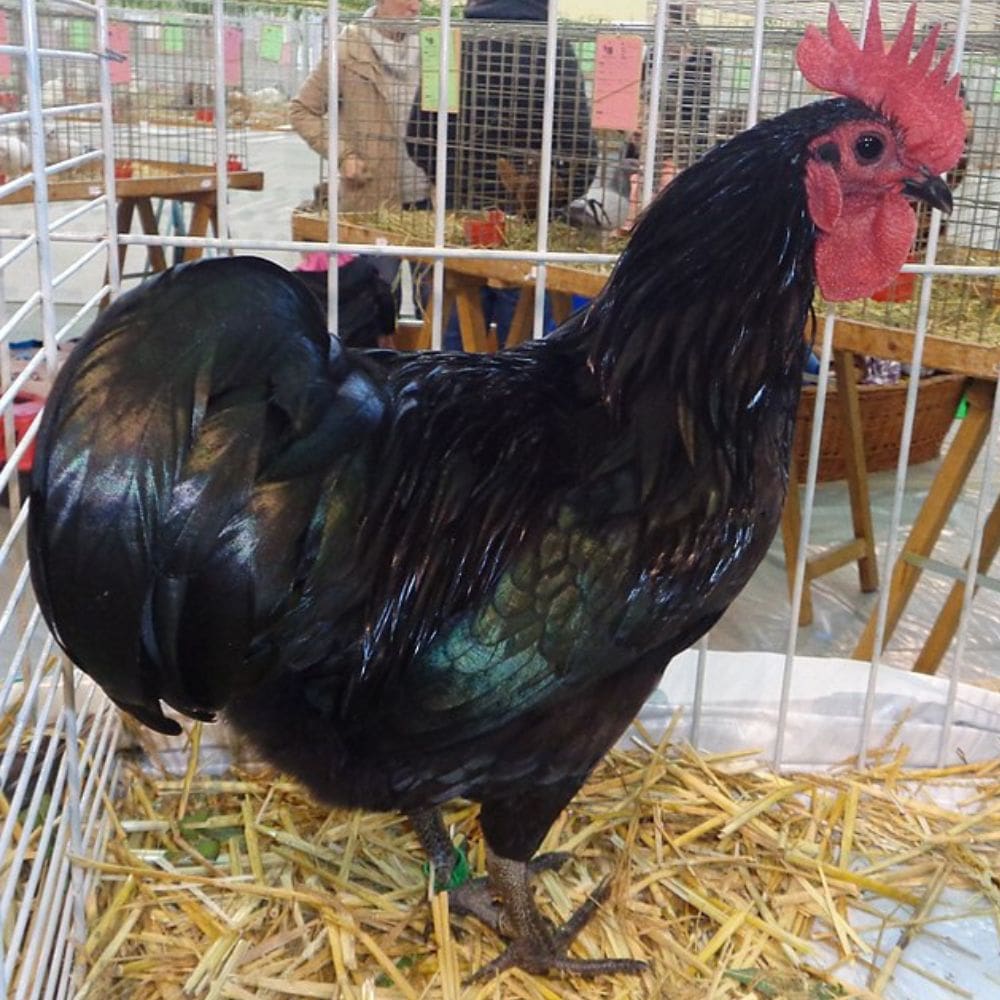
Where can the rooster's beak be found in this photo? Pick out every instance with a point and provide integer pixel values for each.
(930, 189)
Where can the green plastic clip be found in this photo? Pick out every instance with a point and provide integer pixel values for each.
(460, 873)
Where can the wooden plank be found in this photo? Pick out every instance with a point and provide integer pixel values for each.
(559, 278)
(886, 342)
(123, 220)
(562, 306)
(408, 336)
(575, 280)
(471, 324)
(144, 206)
(427, 327)
(522, 322)
(944, 491)
(171, 186)
(835, 557)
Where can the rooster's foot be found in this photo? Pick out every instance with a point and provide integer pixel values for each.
(544, 951)
(537, 947)
(478, 897)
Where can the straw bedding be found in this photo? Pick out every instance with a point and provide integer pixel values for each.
(732, 881)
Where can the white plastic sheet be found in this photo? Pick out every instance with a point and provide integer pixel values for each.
(740, 709)
(958, 942)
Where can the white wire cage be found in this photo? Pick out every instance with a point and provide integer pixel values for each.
(720, 66)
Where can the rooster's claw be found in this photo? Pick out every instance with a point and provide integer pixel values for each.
(545, 954)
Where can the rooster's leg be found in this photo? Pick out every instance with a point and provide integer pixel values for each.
(434, 839)
(476, 897)
(537, 946)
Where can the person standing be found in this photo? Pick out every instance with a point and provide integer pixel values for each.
(378, 76)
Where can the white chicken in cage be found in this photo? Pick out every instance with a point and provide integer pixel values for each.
(15, 156)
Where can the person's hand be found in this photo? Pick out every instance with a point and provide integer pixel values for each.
(353, 168)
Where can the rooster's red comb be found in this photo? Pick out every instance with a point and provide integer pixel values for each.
(921, 100)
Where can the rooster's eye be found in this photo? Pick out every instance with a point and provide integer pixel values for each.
(868, 148)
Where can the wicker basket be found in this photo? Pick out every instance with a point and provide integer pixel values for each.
(882, 408)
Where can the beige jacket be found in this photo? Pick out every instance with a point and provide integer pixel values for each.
(369, 128)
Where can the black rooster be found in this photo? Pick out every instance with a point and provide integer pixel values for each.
(410, 577)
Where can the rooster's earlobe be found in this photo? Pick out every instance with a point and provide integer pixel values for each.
(824, 196)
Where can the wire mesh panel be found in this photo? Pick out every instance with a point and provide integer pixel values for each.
(163, 93)
(58, 759)
(204, 892)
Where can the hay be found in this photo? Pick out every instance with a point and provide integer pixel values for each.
(731, 881)
(963, 309)
(417, 229)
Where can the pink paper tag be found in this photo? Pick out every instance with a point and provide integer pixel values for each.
(5, 69)
(232, 47)
(119, 41)
(617, 81)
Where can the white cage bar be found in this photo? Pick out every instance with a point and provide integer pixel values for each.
(59, 759)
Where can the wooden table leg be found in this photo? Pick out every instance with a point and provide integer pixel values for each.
(861, 547)
(157, 258)
(791, 527)
(425, 338)
(933, 515)
(123, 223)
(202, 215)
(471, 324)
(522, 322)
(857, 471)
(946, 625)
(562, 306)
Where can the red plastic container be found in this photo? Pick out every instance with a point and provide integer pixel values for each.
(233, 163)
(27, 406)
(123, 169)
(486, 232)
(206, 115)
(900, 289)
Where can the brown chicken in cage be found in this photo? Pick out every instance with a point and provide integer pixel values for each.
(524, 185)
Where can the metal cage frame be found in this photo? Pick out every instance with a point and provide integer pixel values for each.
(59, 759)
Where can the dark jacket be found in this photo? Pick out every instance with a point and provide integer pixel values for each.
(501, 105)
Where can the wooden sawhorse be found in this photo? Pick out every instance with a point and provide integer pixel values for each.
(980, 364)
(944, 492)
(861, 546)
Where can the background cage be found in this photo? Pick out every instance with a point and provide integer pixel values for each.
(60, 761)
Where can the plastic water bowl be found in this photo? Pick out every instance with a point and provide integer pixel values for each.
(27, 406)
(901, 289)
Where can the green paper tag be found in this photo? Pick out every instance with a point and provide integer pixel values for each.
(173, 38)
(272, 39)
(586, 56)
(430, 47)
(81, 35)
